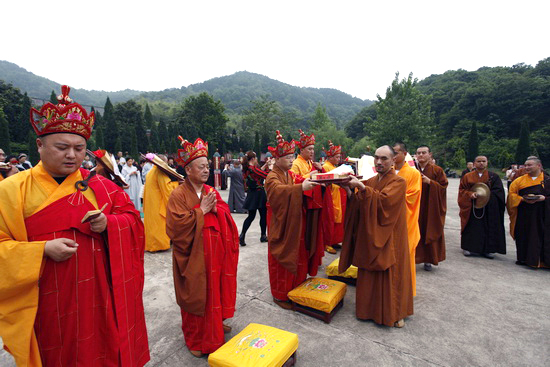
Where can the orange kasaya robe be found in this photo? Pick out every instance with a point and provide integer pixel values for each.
(156, 192)
(376, 242)
(412, 197)
(431, 220)
(530, 222)
(204, 258)
(83, 311)
(294, 242)
(339, 200)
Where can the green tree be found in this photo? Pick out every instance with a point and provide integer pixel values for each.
(134, 145)
(129, 118)
(202, 116)
(163, 137)
(53, 98)
(263, 118)
(404, 114)
(4, 133)
(99, 138)
(111, 133)
(320, 118)
(23, 125)
(523, 149)
(359, 125)
(148, 117)
(33, 155)
(473, 143)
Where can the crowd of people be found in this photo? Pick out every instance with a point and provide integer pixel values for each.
(88, 203)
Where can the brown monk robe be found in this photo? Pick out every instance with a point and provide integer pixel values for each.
(433, 208)
(376, 241)
(482, 230)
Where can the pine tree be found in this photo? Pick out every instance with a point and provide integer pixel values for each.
(53, 98)
(523, 149)
(23, 126)
(148, 117)
(257, 143)
(33, 155)
(99, 138)
(4, 133)
(473, 143)
(163, 137)
(134, 145)
(111, 133)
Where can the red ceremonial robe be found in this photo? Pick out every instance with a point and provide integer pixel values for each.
(290, 260)
(90, 308)
(205, 258)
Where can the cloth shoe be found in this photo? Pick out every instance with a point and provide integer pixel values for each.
(427, 266)
(263, 238)
(330, 250)
(466, 253)
(489, 255)
(241, 240)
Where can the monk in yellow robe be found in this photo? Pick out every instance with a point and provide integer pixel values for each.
(158, 187)
(412, 197)
(70, 289)
(376, 242)
(335, 223)
(529, 209)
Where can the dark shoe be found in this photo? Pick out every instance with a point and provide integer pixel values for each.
(263, 238)
(337, 246)
(241, 241)
(466, 253)
(489, 256)
(226, 329)
(428, 267)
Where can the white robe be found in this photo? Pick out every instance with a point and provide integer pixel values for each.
(134, 183)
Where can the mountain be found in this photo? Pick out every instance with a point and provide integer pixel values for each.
(235, 91)
(38, 87)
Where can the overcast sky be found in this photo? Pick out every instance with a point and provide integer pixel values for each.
(353, 46)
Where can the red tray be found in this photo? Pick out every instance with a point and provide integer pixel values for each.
(333, 180)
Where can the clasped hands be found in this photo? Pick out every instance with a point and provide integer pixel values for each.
(208, 203)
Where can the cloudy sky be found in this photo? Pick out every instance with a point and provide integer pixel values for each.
(354, 46)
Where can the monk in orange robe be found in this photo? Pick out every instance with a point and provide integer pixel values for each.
(529, 210)
(292, 253)
(156, 192)
(205, 253)
(338, 198)
(70, 291)
(376, 241)
(433, 208)
(414, 189)
(482, 230)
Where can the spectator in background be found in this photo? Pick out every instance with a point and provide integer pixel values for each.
(7, 169)
(171, 162)
(236, 190)
(120, 158)
(146, 167)
(469, 168)
(132, 176)
(510, 172)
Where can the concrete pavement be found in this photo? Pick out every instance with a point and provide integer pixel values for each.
(467, 312)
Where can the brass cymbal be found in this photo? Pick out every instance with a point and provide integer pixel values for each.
(483, 194)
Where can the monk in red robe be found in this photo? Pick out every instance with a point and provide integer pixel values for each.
(376, 241)
(205, 253)
(292, 254)
(70, 290)
(433, 208)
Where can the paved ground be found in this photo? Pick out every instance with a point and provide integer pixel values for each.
(468, 312)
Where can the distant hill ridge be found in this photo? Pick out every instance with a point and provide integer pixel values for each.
(235, 91)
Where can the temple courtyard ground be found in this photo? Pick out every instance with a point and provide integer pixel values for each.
(468, 312)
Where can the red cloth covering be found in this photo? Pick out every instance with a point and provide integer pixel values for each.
(81, 300)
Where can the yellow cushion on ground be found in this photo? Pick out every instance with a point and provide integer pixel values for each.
(332, 270)
(256, 346)
(319, 293)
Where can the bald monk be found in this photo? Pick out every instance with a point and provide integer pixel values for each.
(529, 210)
(482, 230)
(414, 189)
(376, 241)
(205, 253)
(156, 192)
(433, 208)
(292, 254)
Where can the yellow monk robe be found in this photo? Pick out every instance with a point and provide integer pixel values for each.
(21, 196)
(158, 188)
(302, 167)
(412, 197)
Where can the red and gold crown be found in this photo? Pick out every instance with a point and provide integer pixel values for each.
(305, 140)
(332, 149)
(283, 147)
(65, 117)
(191, 151)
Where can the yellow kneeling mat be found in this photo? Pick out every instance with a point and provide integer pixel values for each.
(256, 346)
(332, 270)
(319, 293)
